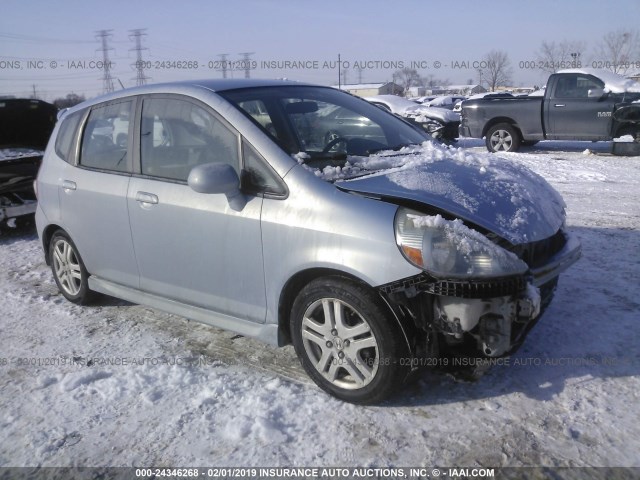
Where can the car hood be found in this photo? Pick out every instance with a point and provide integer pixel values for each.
(495, 194)
(434, 113)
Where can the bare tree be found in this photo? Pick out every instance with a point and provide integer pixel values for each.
(407, 78)
(617, 50)
(554, 56)
(432, 81)
(495, 69)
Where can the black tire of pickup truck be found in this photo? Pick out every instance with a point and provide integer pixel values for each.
(502, 137)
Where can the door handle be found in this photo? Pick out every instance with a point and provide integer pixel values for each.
(68, 185)
(144, 197)
(559, 105)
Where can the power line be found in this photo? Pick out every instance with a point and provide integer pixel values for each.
(247, 63)
(107, 80)
(136, 35)
(223, 63)
(28, 38)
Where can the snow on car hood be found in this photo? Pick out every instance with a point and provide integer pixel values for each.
(506, 199)
(434, 113)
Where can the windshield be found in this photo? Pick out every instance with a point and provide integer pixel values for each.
(324, 123)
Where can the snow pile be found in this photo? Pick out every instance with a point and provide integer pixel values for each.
(407, 158)
(301, 157)
(506, 197)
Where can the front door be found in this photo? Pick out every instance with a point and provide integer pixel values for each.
(573, 115)
(193, 247)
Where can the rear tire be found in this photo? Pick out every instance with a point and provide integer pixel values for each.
(346, 341)
(68, 269)
(502, 137)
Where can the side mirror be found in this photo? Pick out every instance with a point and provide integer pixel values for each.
(596, 93)
(216, 178)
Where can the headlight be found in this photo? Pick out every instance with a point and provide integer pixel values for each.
(450, 249)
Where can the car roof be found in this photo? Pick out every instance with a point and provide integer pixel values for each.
(188, 87)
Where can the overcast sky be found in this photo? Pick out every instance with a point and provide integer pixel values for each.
(379, 35)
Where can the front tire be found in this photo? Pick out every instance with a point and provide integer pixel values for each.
(346, 341)
(503, 137)
(69, 271)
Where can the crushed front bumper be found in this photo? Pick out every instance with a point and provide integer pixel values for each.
(562, 260)
(492, 316)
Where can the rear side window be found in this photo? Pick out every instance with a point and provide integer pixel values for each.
(106, 137)
(177, 135)
(66, 134)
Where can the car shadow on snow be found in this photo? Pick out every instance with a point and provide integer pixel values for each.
(589, 332)
(553, 146)
(547, 147)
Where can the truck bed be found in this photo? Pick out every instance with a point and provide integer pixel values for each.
(525, 112)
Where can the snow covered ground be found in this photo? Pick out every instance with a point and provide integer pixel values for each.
(124, 385)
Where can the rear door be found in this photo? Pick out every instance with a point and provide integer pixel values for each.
(570, 114)
(93, 193)
(193, 247)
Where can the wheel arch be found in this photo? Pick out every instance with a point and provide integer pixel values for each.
(47, 235)
(627, 129)
(497, 120)
(301, 279)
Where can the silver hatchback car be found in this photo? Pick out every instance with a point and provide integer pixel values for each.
(252, 206)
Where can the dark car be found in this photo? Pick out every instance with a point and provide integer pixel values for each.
(25, 127)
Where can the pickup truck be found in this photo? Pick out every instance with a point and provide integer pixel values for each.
(578, 104)
(25, 127)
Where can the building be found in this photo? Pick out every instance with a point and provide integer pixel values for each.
(370, 89)
(456, 90)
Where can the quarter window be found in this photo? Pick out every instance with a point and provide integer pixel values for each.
(106, 137)
(258, 177)
(64, 141)
(177, 135)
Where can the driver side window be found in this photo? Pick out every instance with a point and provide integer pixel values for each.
(576, 86)
(177, 135)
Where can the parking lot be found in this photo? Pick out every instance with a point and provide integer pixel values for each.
(175, 392)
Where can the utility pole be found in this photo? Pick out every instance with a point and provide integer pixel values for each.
(33, 95)
(107, 79)
(136, 35)
(247, 63)
(360, 69)
(339, 79)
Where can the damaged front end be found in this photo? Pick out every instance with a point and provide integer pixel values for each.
(475, 297)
